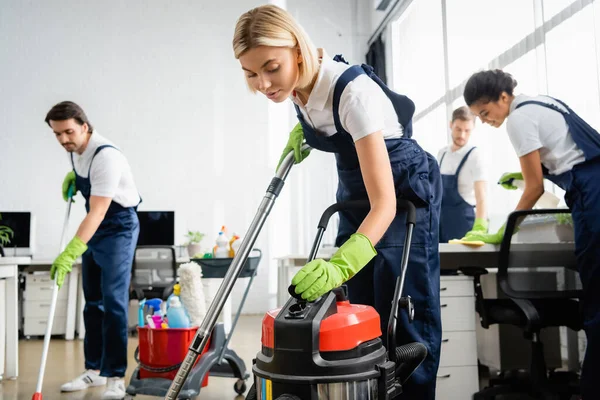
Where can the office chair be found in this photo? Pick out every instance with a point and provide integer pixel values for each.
(530, 311)
(154, 272)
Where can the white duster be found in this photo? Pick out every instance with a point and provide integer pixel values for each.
(192, 292)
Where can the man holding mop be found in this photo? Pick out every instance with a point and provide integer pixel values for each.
(106, 241)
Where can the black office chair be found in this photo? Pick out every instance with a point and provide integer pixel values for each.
(530, 311)
(154, 272)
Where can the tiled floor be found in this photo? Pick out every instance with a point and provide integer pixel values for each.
(65, 361)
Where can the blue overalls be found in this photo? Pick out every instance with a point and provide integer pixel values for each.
(106, 273)
(457, 215)
(416, 178)
(582, 186)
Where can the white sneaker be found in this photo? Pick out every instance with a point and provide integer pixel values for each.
(115, 389)
(89, 378)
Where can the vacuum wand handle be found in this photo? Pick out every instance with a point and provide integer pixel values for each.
(216, 306)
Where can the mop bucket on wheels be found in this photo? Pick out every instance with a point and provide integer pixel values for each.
(331, 349)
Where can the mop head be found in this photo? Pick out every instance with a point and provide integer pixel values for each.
(192, 292)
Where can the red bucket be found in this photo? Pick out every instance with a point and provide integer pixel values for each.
(165, 348)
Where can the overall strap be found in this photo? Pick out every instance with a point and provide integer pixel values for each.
(464, 160)
(347, 76)
(442, 159)
(98, 149)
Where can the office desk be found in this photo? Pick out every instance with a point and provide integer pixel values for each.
(75, 299)
(9, 318)
(530, 255)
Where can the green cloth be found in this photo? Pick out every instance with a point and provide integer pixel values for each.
(294, 144)
(319, 276)
(64, 262)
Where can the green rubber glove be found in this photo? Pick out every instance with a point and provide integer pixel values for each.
(295, 144)
(491, 238)
(506, 180)
(319, 276)
(64, 262)
(479, 226)
(69, 182)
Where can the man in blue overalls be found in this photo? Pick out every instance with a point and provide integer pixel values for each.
(106, 240)
(464, 205)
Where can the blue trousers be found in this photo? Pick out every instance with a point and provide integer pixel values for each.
(583, 197)
(106, 276)
(417, 178)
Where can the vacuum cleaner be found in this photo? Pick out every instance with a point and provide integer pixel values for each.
(331, 349)
(328, 349)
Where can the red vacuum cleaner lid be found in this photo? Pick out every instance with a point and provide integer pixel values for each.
(353, 325)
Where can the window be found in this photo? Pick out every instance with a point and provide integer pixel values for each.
(478, 33)
(418, 55)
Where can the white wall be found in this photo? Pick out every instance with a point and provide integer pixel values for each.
(160, 80)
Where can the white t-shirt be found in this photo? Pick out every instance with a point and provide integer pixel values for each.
(364, 107)
(110, 175)
(474, 169)
(533, 127)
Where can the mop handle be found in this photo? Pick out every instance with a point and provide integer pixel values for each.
(63, 240)
(216, 306)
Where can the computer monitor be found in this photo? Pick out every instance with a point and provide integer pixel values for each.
(21, 223)
(157, 228)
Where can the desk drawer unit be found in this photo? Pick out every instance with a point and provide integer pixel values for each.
(37, 326)
(36, 305)
(456, 383)
(457, 377)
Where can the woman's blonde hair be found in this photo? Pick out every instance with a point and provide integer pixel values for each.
(272, 26)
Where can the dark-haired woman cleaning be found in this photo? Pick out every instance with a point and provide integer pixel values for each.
(552, 142)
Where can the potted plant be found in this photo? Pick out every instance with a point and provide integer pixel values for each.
(564, 227)
(193, 242)
(5, 235)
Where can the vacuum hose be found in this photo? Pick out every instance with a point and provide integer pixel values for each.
(408, 359)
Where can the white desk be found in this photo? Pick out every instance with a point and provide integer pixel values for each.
(75, 300)
(9, 318)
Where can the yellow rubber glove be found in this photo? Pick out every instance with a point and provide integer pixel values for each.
(506, 180)
(479, 226)
(294, 144)
(69, 182)
(64, 262)
(319, 276)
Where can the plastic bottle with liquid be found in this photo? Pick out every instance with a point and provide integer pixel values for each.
(176, 314)
(234, 245)
(222, 248)
(176, 292)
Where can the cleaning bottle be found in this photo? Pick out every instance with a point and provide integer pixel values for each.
(234, 245)
(176, 292)
(176, 314)
(222, 247)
